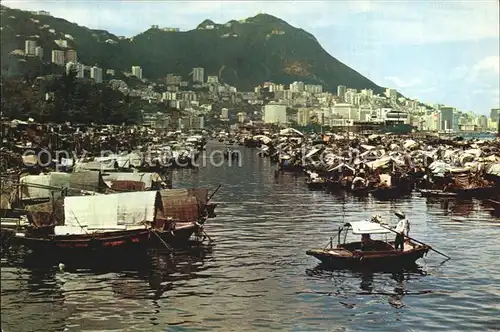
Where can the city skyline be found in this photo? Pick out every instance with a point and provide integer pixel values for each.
(421, 49)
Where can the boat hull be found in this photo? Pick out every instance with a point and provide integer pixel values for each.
(390, 193)
(316, 185)
(93, 241)
(377, 259)
(116, 241)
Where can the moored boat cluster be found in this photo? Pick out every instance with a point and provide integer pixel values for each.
(385, 166)
(61, 192)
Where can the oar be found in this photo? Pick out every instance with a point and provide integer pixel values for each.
(425, 244)
(216, 190)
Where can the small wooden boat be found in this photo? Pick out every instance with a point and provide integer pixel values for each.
(98, 241)
(384, 193)
(316, 184)
(333, 185)
(370, 254)
(494, 203)
(360, 191)
(437, 193)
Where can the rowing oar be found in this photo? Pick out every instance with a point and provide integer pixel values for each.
(425, 244)
(212, 195)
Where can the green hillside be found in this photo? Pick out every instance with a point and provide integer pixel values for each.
(242, 53)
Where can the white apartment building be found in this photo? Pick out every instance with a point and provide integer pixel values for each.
(391, 93)
(313, 88)
(482, 122)
(279, 87)
(345, 111)
(212, 79)
(71, 56)
(198, 74)
(29, 47)
(137, 72)
(297, 87)
(303, 116)
(367, 92)
(341, 90)
(242, 116)
(352, 97)
(96, 74)
(365, 113)
(39, 52)
(224, 114)
(274, 113)
(58, 57)
(430, 121)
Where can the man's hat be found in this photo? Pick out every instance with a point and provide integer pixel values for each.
(400, 214)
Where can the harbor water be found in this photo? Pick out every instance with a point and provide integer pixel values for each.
(257, 276)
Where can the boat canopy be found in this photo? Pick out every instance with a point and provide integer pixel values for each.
(291, 132)
(113, 211)
(366, 227)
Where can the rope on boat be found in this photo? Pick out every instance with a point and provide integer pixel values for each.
(78, 222)
(330, 243)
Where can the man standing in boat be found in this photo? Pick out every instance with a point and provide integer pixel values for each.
(402, 228)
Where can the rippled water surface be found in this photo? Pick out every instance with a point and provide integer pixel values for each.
(257, 275)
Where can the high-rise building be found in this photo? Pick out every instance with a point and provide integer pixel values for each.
(71, 56)
(495, 114)
(303, 116)
(274, 113)
(297, 87)
(391, 93)
(173, 79)
(446, 118)
(341, 90)
(39, 52)
(224, 114)
(96, 74)
(137, 72)
(58, 57)
(198, 75)
(29, 47)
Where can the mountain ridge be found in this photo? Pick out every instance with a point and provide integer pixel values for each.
(242, 53)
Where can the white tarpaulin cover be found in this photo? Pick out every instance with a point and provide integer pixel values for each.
(110, 211)
(54, 179)
(262, 138)
(384, 162)
(290, 132)
(410, 144)
(493, 169)
(312, 152)
(366, 227)
(146, 178)
(94, 165)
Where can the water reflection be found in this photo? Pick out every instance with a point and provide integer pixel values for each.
(391, 284)
(72, 290)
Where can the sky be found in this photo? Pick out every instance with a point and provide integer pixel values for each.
(445, 52)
